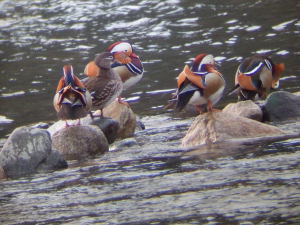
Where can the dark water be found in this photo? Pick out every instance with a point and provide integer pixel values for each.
(153, 181)
(38, 37)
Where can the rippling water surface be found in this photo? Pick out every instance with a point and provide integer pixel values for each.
(142, 184)
(163, 184)
(38, 37)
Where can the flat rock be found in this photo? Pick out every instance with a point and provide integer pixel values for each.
(246, 109)
(80, 142)
(282, 105)
(124, 115)
(220, 126)
(28, 150)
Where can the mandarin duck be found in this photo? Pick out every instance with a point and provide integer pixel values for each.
(102, 82)
(72, 100)
(126, 64)
(200, 84)
(257, 75)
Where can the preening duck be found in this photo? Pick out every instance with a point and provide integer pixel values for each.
(201, 84)
(72, 100)
(257, 75)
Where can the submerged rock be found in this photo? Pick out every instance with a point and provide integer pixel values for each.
(125, 143)
(28, 150)
(282, 105)
(246, 109)
(220, 126)
(124, 115)
(79, 142)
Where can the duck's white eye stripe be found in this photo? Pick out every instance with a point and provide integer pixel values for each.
(134, 69)
(269, 65)
(251, 72)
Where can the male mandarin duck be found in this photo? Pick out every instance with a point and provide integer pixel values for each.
(72, 100)
(257, 75)
(103, 83)
(126, 64)
(200, 84)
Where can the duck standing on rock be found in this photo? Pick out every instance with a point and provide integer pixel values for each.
(102, 82)
(201, 84)
(126, 63)
(72, 100)
(256, 75)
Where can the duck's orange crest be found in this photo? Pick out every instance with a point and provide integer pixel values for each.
(279, 68)
(245, 82)
(188, 74)
(212, 69)
(122, 57)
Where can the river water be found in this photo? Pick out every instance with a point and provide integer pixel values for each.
(149, 179)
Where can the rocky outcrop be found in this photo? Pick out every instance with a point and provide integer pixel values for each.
(220, 126)
(246, 109)
(108, 126)
(118, 121)
(122, 113)
(28, 150)
(281, 105)
(80, 142)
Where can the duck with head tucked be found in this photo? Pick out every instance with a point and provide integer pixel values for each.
(72, 100)
(103, 83)
(201, 84)
(257, 75)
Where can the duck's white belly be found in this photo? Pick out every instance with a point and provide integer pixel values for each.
(127, 77)
(215, 97)
(197, 99)
(131, 81)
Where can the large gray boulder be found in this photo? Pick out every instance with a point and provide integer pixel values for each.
(110, 127)
(28, 150)
(220, 126)
(246, 109)
(118, 121)
(282, 105)
(80, 142)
